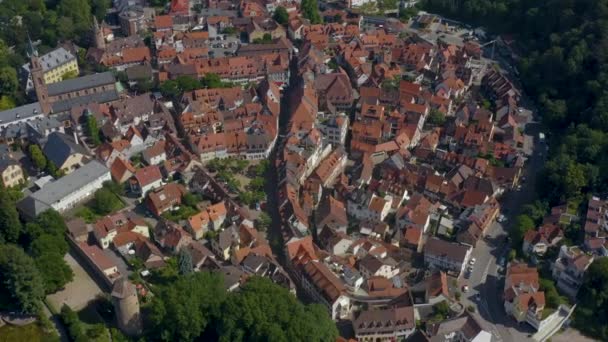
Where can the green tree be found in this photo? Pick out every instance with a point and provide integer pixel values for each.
(93, 130)
(106, 201)
(54, 271)
(265, 311)
(280, 15)
(72, 322)
(79, 11)
(185, 262)
(436, 118)
(6, 102)
(310, 11)
(38, 159)
(523, 224)
(47, 244)
(536, 211)
(263, 222)
(175, 317)
(100, 8)
(8, 81)
(115, 187)
(592, 313)
(10, 226)
(20, 279)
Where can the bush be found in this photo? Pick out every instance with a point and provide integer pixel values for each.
(73, 323)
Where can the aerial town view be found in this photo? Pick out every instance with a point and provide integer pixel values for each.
(303, 170)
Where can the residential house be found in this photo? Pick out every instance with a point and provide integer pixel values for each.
(165, 198)
(11, 172)
(569, 269)
(384, 325)
(446, 256)
(155, 154)
(335, 88)
(64, 152)
(77, 229)
(538, 241)
(145, 179)
(371, 266)
(325, 287)
(122, 170)
(523, 298)
(171, 236)
(332, 214)
(225, 241)
(108, 227)
(416, 213)
(210, 218)
(462, 328)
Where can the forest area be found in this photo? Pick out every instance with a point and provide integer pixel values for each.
(563, 46)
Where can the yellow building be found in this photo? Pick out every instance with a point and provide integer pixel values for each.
(11, 173)
(55, 65)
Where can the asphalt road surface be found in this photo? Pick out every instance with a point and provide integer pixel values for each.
(486, 282)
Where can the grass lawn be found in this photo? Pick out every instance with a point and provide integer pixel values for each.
(243, 181)
(30, 333)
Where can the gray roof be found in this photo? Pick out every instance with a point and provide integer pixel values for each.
(20, 113)
(33, 130)
(67, 104)
(53, 59)
(6, 162)
(59, 147)
(53, 192)
(84, 82)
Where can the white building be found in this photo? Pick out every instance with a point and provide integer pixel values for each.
(334, 129)
(66, 192)
(446, 256)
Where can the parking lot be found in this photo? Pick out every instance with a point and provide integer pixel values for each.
(223, 47)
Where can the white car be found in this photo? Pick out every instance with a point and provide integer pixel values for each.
(465, 288)
(472, 261)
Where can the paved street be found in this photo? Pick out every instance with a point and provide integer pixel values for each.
(486, 281)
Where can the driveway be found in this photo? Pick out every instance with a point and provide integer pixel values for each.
(79, 291)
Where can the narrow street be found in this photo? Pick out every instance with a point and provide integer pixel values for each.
(276, 232)
(487, 279)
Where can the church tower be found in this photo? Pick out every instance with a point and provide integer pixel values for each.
(100, 42)
(38, 78)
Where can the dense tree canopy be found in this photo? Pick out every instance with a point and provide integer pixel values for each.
(280, 15)
(260, 311)
(310, 11)
(592, 313)
(175, 316)
(20, 282)
(10, 226)
(264, 311)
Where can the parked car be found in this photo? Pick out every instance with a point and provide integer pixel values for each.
(472, 261)
(465, 288)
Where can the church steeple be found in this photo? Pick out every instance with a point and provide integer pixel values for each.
(100, 42)
(31, 49)
(37, 74)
